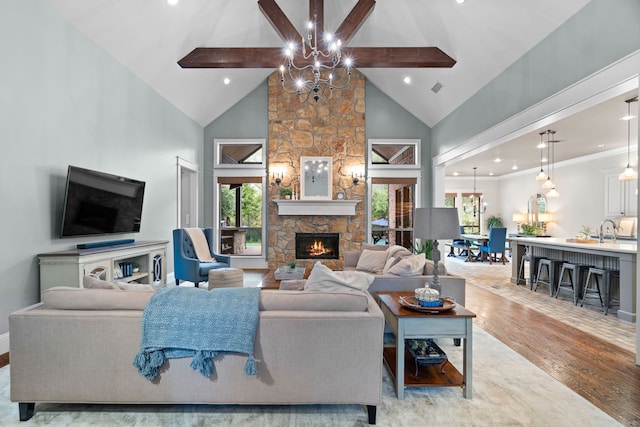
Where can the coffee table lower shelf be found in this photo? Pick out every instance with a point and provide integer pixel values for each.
(443, 375)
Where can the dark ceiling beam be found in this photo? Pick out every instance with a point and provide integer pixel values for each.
(279, 20)
(399, 57)
(354, 20)
(273, 57)
(233, 57)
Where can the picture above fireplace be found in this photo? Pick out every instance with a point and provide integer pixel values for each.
(317, 245)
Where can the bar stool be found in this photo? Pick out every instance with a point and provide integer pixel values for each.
(612, 275)
(521, 277)
(533, 268)
(574, 273)
(592, 284)
(551, 267)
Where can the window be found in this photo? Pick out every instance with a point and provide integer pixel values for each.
(239, 153)
(394, 154)
(471, 216)
(239, 208)
(240, 216)
(392, 207)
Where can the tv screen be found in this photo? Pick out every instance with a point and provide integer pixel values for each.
(98, 203)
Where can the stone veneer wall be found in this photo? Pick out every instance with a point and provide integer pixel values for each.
(330, 127)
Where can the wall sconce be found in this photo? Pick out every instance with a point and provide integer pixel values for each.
(277, 177)
(356, 177)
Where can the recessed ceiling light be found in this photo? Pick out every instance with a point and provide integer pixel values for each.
(227, 80)
(407, 80)
(456, 173)
(514, 167)
(490, 173)
(544, 159)
(627, 117)
(601, 145)
(460, 1)
(172, 2)
(497, 160)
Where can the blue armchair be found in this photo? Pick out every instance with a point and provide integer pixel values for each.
(495, 245)
(186, 264)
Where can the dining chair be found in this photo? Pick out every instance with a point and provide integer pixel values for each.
(495, 245)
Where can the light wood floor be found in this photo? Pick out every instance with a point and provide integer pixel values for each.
(590, 353)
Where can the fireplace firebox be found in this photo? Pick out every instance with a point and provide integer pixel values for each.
(317, 245)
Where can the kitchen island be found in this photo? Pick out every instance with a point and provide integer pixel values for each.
(616, 255)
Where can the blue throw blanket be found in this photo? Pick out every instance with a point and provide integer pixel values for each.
(184, 322)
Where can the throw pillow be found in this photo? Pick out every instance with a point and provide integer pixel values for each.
(372, 261)
(91, 282)
(370, 247)
(428, 268)
(133, 286)
(412, 265)
(322, 278)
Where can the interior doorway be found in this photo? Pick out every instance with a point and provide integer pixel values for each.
(187, 195)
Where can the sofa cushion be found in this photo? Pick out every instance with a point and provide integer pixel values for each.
(412, 265)
(273, 300)
(370, 247)
(322, 278)
(69, 298)
(372, 261)
(91, 282)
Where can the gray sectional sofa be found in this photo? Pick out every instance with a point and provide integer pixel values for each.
(452, 286)
(78, 345)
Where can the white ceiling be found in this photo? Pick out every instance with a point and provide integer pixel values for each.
(483, 36)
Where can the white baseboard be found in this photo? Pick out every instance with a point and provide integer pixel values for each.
(4, 343)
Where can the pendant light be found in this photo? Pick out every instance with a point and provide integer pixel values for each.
(541, 176)
(548, 184)
(475, 208)
(552, 170)
(629, 173)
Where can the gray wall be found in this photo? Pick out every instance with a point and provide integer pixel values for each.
(65, 101)
(388, 119)
(599, 34)
(248, 118)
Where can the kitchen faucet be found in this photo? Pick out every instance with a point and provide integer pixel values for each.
(613, 226)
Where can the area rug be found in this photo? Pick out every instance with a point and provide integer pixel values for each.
(507, 391)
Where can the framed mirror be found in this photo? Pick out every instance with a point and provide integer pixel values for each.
(537, 205)
(316, 176)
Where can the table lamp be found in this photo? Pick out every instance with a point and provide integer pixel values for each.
(434, 224)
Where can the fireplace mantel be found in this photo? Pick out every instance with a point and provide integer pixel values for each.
(317, 207)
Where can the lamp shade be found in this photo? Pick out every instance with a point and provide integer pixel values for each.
(436, 223)
(519, 217)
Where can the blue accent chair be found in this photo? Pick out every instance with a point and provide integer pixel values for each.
(496, 244)
(187, 266)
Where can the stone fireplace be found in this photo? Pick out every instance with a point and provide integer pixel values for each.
(330, 127)
(317, 246)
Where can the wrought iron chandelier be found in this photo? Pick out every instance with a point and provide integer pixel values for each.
(478, 206)
(318, 76)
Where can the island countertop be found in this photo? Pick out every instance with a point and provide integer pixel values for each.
(617, 255)
(620, 246)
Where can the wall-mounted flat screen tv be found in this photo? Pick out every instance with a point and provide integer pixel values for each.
(98, 203)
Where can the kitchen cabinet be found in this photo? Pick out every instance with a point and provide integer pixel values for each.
(621, 197)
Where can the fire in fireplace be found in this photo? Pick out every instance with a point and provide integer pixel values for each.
(317, 245)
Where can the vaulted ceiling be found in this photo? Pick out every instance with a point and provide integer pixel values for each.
(149, 37)
(484, 37)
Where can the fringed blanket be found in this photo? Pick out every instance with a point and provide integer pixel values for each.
(184, 322)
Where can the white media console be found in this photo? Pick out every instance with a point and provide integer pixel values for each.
(146, 260)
